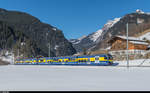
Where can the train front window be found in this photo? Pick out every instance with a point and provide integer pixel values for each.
(97, 58)
(110, 57)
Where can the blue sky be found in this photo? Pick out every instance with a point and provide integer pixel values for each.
(76, 17)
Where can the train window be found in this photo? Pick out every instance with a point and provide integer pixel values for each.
(59, 60)
(41, 60)
(105, 58)
(110, 57)
(97, 58)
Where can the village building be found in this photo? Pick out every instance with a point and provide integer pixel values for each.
(135, 45)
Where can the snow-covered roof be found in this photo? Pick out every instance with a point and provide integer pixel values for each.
(131, 38)
(137, 42)
(146, 36)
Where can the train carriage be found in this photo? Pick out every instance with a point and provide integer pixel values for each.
(105, 59)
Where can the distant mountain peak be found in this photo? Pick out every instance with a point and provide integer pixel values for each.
(93, 38)
(82, 37)
(96, 35)
(110, 23)
(139, 11)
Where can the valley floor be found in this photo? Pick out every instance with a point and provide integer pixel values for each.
(73, 78)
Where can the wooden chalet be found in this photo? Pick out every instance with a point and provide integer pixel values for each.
(120, 43)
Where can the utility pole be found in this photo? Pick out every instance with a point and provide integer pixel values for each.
(18, 52)
(48, 45)
(49, 50)
(127, 28)
(13, 59)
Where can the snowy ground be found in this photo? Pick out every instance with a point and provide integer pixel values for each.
(139, 62)
(73, 78)
(7, 59)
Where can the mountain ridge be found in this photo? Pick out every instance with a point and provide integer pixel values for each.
(118, 27)
(23, 27)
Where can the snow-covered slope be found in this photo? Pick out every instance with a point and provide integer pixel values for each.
(107, 26)
(110, 23)
(90, 40)
(95, 35)
(145, 36)
(7, 57)
(76, 41)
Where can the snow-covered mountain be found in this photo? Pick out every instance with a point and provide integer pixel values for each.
(139, 20)
(76, 41)
(92, 39)
(95, 35)
(110, 23)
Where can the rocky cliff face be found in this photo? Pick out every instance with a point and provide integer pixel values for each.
(22, 31)
(138, 23)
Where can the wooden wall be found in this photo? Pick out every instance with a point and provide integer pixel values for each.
(120, 44)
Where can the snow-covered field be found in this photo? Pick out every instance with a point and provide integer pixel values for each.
(139, 62)
(73, 78)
